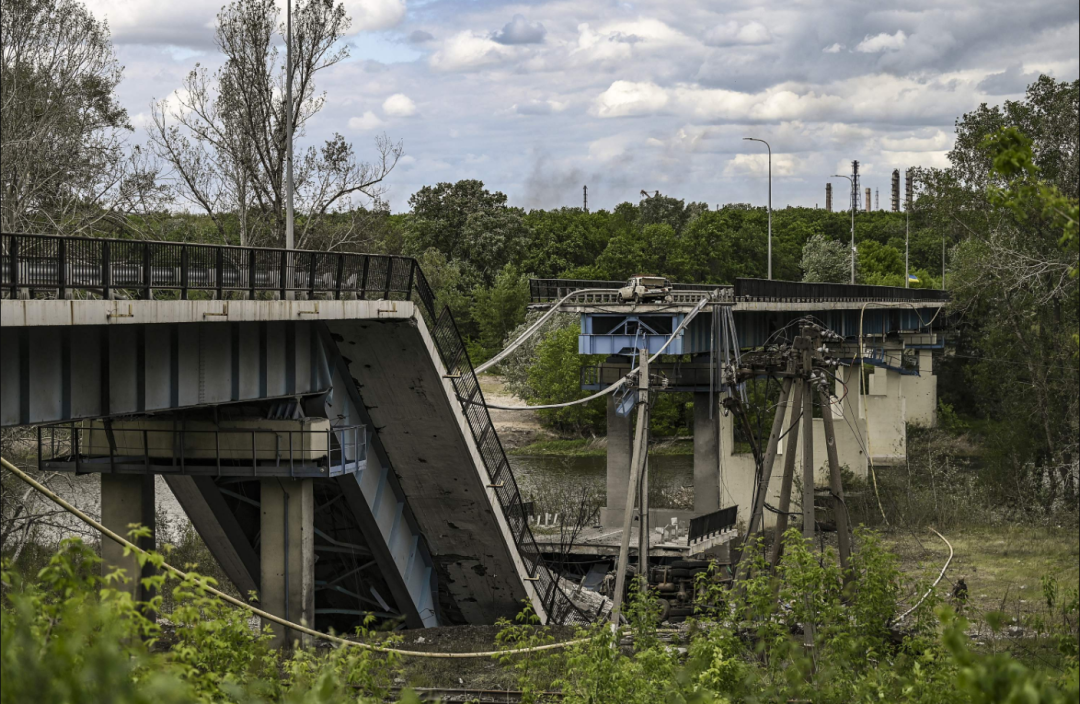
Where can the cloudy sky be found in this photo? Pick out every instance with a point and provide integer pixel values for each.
(538, 99)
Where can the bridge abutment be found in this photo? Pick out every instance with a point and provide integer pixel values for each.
(287, 555)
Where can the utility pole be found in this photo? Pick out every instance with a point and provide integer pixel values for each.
(290, 241)
(854, 204)
(753, 139)
(637, 462)
(806, 345)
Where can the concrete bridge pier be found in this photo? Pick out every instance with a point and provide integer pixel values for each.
(127, 499)
(287, 555)
(620, 437)
(706, 453)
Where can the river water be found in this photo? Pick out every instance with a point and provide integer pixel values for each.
(548, 480)
(671, 478)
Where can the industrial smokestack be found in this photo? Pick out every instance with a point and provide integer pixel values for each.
(877, 199)
(867, 200)
(909, 188)
(896, 190)
(828, 197)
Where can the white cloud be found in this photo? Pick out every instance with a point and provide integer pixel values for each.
(370, 15)
(833, 49)
(399, 105)
(625, 98)
(732, 32)
(882, 42)
(467, 51)
(937, 141)
(611, 147)
(367, 121)
(758, 165)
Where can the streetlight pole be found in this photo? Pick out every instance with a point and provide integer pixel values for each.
(907, 246)
(852, 227)
(754, 139)
(290, 241)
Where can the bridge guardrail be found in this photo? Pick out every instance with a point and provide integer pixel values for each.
(60, 264)
(764, 289)
(551, 290)
(99, 265)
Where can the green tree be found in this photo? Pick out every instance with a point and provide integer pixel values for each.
(64, 166)
(826, 260)
(556, 378)
(501, 308)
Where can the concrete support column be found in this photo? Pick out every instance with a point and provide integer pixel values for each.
(287, 554)
(619, 444)
(706, 455)
(127, 499)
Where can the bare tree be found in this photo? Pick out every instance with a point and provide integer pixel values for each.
(224, 135)
(64, 165)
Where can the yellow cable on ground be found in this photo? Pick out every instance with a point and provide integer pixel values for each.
(259, 612)
(945, 567)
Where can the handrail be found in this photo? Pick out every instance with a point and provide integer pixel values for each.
(103, 266)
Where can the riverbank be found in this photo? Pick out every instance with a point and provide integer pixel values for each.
(597, 447)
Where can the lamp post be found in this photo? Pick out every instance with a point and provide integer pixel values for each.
(290, 241)
(852, 227)
(754, 139)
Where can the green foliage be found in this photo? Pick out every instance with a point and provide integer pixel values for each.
(534, 669)
(826, 260)
(555, 377)
(501, 308)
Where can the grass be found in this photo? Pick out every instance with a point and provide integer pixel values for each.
(1002, 565)
(597, 447)
(582, 447)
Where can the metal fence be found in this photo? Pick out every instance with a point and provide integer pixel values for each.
(551, 290)
(763, 289)
(159, 447)
(49, 263)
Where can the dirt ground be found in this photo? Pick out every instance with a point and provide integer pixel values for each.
(478, 673)
(516, 428)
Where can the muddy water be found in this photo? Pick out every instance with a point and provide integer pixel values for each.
(671, 477)
(670, 486)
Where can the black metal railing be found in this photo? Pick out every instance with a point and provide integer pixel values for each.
(712, 523)
(45, 264)
(551, 290)
(763, 289)
(48, 263)
(164, 447)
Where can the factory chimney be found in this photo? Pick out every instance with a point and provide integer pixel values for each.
(828, 197)
(896, 190)
(867, 200)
